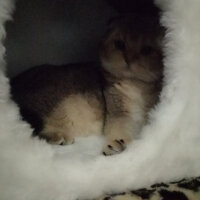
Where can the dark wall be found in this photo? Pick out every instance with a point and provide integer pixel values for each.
(62, 31)
(55, 31)
(136, 6)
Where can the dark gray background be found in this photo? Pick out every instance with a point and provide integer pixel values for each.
(55, 31)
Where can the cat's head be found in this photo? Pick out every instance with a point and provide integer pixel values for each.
(132, 48)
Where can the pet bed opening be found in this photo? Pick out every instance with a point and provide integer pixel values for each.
(61, 32)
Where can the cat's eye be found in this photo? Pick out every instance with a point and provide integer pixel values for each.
(120, 45)
(147, 50)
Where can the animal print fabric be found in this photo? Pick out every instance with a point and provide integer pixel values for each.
(185, 189)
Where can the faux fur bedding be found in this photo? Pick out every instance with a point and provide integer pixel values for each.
(169, 148)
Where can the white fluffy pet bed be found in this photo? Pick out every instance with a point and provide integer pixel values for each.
(169, 148)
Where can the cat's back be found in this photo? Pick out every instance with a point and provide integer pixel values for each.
(72, 77)
(40, 89)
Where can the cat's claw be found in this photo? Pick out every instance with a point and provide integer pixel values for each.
(114, 147)
(68, 142)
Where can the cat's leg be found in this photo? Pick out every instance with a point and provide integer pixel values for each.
(57, 132)
(57, 126)
(76, 116)
(57, 138)
(125, 116)
(118, 132)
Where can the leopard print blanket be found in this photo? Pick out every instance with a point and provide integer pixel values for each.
(185, 189)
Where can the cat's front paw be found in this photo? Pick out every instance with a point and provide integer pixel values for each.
(114, 147)
(57, 138)
(62, 141)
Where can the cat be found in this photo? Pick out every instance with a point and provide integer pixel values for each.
(112, 97)
(131, 57)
